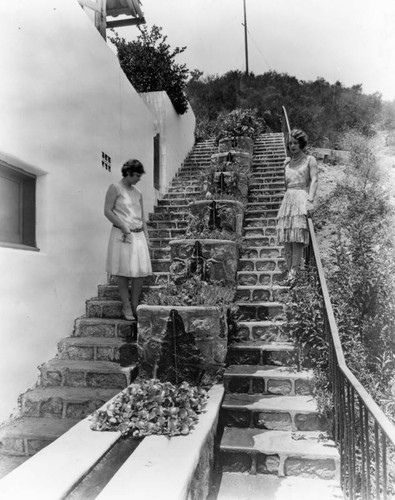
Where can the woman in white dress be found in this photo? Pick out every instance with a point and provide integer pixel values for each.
(128, 253)
(301, 182)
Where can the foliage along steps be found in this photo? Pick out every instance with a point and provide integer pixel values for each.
(271, 425)
(100, 358)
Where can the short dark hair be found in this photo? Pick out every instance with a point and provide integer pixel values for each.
(132, 167)
(300, 136)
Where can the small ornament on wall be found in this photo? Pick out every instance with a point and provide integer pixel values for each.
(106, 161)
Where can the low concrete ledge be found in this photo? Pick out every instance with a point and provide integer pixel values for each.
(165, 468)
(51, 473)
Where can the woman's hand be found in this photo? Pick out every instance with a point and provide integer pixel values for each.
(125, 229)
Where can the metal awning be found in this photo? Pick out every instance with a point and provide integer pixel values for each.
(130, 8)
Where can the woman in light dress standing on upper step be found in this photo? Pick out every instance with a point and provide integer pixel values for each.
(301, 182)
(128, 256)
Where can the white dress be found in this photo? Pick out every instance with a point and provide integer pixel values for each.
(128, 256)
(292, 215)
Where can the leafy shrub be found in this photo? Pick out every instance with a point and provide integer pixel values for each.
(239, 122)
(152, 407)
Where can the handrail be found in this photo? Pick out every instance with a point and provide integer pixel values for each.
(286, 129)
(375, 410)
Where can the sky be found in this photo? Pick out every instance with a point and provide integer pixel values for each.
(352, 41)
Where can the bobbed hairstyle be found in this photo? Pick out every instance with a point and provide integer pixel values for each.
(132, 167)
(300, 136)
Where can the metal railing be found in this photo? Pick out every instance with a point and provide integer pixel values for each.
(364, 435)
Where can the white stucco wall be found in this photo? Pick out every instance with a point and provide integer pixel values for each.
(63, 100)
(176, 134)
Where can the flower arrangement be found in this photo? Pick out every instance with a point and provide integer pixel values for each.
(152, 407)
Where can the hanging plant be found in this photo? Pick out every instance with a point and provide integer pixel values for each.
(152, 407)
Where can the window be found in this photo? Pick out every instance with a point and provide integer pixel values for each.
(17, 207)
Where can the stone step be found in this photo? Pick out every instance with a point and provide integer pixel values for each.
(258, 222)
(166, 215)
(253, 231)
(255, 211)
(111, 292)
(260, 293)
(64, 402)
(160, 253)
(160, 265)
(304, 454)
(96, 308)
(273, 265)
(98, 349)
(170, 202)
(86, 374)
(237, 486)
(176, 211)
(168, 234)
(281, 413)
(26, 436)
(260, 278)
(259, 311)
(262, 252)
(260, 351)
(268, 379)
(170, 224)
(109, 328)
(261, 241)
(183, 192)
(158, 243)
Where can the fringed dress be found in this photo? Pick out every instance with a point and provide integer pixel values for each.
(292, 215)
(128, 255)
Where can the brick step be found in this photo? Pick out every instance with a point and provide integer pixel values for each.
(178, 202)
(160, 265)
(168, 216)
(261, 241)
(281, 453)
(261, 351)
(176, 211)
(160, 253)
(258, 222)
(259, 293)
(258, 379)
(98, 349)
(170, 234)
(81, 373)
(102, 327)
(281, 413)
(235, 485)
(262, 265)
(262, 252)
(259, 311)
(253, 231)
(64, 402)
(260, 278)
(170, 224)
(26, 436)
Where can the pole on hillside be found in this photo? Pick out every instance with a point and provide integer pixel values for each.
(245, 36)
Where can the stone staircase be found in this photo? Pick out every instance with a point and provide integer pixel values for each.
(100, 358)
(273, 433)
(272, 429)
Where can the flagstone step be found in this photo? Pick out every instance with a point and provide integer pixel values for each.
(160, 265)
(176, 211)
(170, 224)
(160, 253)
(261, 241)
(259, 231)
(170, 202)
(64, 402)
(275, 265)
(98, 349)
(259, 222)
(105, 327)
(259, 351)
(259, 311)
(306, 454)
(260, 278)
(84, 373)
(268, 379)
(261, 252)
(167, 234)
(281, 413)
(168, 216)
(258, 293)
(26, 436)
(255, 211)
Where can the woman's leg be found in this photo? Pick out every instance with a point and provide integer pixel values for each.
(297, 252)
(288, 255)
(137, 287)
(123, 286)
